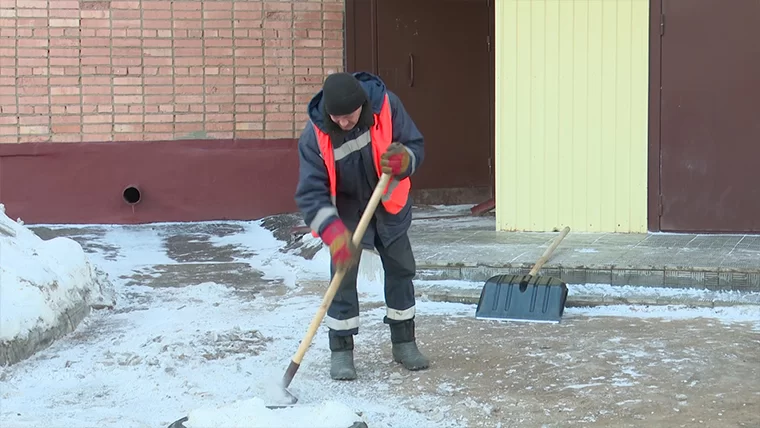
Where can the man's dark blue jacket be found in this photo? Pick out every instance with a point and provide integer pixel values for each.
(355, 170)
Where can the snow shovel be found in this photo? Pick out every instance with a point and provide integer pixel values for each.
(295, 362)
(530, 298)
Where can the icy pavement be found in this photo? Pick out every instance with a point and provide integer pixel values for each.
(451, 244)
(595, 250)
(209, 314)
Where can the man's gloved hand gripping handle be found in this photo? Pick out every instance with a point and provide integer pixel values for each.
(342, 250)
(395, 161)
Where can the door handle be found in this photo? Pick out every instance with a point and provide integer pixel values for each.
(411, 70)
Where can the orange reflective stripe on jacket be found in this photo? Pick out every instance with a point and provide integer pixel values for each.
(380, 136)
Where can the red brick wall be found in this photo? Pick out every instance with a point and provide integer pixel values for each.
(94, 70)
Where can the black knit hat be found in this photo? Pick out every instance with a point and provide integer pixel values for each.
(343, 94)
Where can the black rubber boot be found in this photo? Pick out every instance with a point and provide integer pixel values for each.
(342, 357)
(405, 349)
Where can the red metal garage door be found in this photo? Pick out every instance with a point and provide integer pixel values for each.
(436, 55)
(710, 117)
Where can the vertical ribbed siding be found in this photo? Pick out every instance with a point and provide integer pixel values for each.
(571, 114)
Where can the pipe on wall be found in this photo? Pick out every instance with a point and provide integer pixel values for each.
(131, 195)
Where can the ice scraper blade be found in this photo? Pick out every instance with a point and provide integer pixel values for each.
(529, 298)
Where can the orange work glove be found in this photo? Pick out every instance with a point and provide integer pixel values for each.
(342, 250)
(395, 161)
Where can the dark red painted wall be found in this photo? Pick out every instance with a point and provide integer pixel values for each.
(185, 180)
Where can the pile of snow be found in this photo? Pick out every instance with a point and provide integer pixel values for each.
(290, 266)
(40, 280)
(253, 413)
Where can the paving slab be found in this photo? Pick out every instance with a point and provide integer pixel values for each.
(449, 244)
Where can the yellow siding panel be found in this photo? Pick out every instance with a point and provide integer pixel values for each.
(571, 114)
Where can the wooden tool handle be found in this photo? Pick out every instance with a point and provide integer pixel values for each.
(549, 251)
(374, 200)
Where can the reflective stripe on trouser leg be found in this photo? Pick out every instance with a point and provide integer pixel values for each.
(400, 314)
(400, 267)
(343, 313)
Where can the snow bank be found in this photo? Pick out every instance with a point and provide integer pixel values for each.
(253, 413)
(42, 280)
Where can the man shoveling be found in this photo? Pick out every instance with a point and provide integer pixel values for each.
(357, 130)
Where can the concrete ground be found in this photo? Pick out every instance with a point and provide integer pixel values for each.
(588, 371)
(616, 370)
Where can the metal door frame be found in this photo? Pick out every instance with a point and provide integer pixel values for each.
(654, 155)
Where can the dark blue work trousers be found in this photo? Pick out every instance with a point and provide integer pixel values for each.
(400, 268)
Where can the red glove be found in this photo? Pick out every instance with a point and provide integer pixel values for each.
(342, 250)
(395, 161)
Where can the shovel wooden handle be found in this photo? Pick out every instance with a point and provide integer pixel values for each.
(543, 259)
(374, 200)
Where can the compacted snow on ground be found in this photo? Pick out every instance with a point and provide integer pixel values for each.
(182, 340)
(208, 350)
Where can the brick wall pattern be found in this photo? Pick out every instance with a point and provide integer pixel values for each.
(129, 70)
